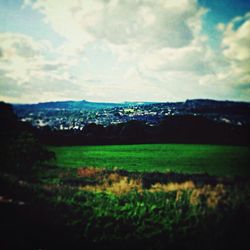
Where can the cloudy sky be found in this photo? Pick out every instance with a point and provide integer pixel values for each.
(124, 50)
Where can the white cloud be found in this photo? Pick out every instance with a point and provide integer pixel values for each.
(236, 40)
(31, 69)
(13, 44)
(151, 37)
(24, 59)
(235, 75)
(190, 59)
(125, 50)
(18, 55)
(122, 22)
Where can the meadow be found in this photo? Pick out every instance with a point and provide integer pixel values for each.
(157, 196)
(216, 160)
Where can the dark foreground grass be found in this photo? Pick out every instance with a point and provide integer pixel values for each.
(212, 159)
(68, 217)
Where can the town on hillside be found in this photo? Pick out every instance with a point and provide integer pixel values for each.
(76, 115)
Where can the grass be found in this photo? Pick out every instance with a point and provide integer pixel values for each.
(172, 216)
(212, 159)
(81, 202)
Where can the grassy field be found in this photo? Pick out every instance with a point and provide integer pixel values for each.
(81, 202)
(212, 159)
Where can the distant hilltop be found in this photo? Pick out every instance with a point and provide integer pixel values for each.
(87, 105)
(77, 105)
(205, 102)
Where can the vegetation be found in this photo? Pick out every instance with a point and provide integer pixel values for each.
(120, 210)
(211, 159)
(155, 196)
(20, 151)
(187, 129)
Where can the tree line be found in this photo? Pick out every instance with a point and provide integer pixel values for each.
(173, 129)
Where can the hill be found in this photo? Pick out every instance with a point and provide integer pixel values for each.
(74, 105)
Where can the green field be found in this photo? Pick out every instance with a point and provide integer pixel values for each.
(111, 209)
(212, 159)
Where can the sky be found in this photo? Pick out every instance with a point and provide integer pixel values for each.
(124, 50)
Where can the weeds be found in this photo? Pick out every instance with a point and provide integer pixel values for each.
(89, 172)
(171, 215)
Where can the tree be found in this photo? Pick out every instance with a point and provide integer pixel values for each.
(20, 150)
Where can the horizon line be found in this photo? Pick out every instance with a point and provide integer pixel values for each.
(122, 102)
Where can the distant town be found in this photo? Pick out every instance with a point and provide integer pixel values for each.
(75, 115)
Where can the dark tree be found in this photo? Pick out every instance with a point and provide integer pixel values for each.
(20, 150)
